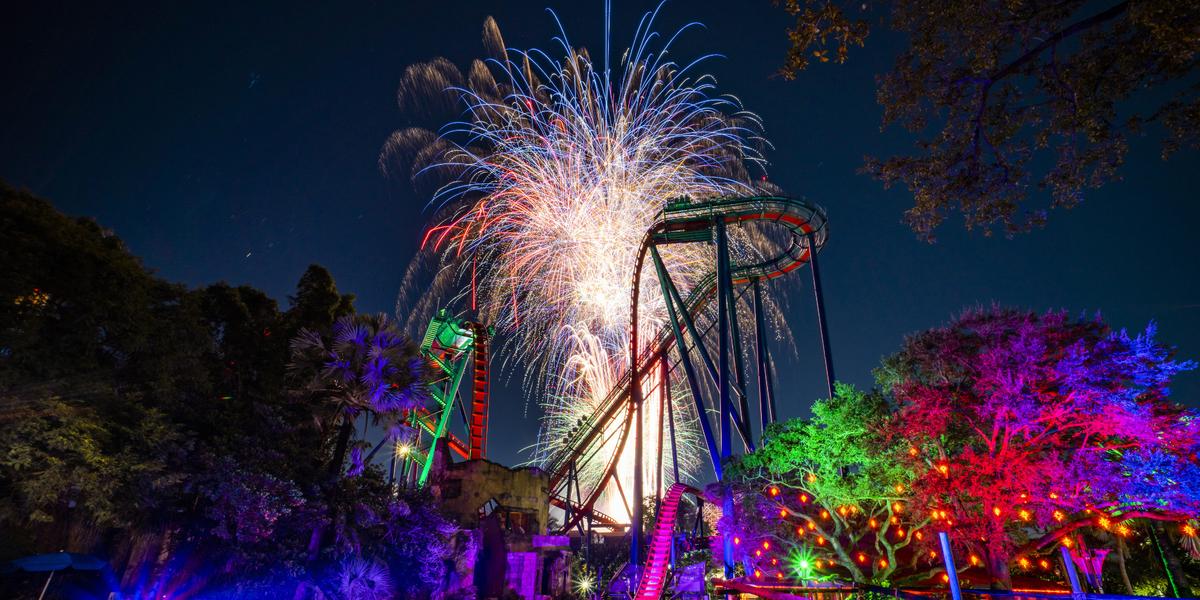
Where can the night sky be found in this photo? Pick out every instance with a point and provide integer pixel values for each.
(238, 142)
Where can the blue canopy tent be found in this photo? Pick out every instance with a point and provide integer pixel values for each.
(52, 563)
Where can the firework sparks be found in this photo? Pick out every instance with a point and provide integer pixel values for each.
(550, 181)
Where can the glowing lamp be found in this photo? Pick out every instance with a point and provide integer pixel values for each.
(883, 563)
(1188, 530)
(945, 578)
(996, 511)
(1024, 514)
(783, 513)
(766, 545)
(1045, 564)
(774, 491)
(803, 498)
(1024, 562)
(974, 560)
(872, 524)
(820, 541)
(933, 554)
(736, 540)
(862, 558)
(824, 514)
(758, 574)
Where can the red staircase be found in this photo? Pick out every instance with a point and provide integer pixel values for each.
(479, 396)
(654, 575)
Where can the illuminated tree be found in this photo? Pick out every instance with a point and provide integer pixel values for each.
(827, 497)
(1022, 428)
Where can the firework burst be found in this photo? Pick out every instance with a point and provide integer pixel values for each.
(545, 189)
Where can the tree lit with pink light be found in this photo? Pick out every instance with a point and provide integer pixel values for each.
(1012, 431)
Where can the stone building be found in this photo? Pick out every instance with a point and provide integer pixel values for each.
(507, 511)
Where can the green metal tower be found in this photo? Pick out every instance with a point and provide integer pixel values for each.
(448, 346)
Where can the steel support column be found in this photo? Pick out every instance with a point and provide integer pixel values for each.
(688, 369)
(820, 299)
(723, 295)
(766, 403)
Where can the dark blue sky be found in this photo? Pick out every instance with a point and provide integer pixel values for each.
(238, 141)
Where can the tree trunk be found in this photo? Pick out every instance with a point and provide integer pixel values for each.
(1121, 564)
(335, 472)
(1170, 559)
(343, 443)
(998, 567)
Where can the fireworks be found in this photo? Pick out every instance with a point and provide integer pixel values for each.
(549, 182)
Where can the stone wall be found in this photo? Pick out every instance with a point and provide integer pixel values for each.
(466, 487)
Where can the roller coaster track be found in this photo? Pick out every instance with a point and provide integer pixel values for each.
(654, 576)
(682, 222)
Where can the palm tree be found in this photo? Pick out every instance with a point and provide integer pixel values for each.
(367, 366)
